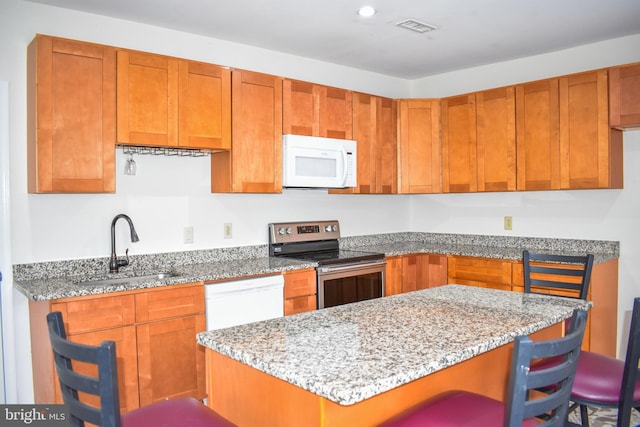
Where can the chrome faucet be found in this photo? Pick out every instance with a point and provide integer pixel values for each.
(115, 263)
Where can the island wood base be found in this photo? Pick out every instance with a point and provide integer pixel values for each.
(248, 397)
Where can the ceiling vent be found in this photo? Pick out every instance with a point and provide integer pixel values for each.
(415, 25)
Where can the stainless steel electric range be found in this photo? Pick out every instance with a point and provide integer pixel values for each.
(343, 276)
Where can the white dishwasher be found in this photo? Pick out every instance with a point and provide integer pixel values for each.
(238, 302)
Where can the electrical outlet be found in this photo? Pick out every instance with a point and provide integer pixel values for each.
(227, 230)
(187, 235)
(508, 223)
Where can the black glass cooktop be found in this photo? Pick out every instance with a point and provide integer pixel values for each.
(337, 256)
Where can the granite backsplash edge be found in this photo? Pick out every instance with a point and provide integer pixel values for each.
(80, 267)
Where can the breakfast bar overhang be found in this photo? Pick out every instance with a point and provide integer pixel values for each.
(359, 364)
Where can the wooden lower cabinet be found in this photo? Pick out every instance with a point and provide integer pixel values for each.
(480, 272)
(178, 369)
(600, 334)
(299, 291)
(413, 272)
(125, 339)
(155, 334)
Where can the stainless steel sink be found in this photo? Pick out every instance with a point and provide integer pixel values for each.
(124, 280)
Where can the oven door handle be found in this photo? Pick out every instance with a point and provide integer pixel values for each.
(350, 266)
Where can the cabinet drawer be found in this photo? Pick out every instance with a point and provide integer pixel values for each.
(299, 283)
(168, 303)
(299, 305)
(480, 271)
(96, 313)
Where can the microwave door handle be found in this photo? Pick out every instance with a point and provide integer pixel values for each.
(344, 166)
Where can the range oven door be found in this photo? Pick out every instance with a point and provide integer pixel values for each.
(350, 282)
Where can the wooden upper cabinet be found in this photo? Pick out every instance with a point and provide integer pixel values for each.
(386, 146)
(588, 158)
(496, 139)
(170, 102)
(254, 165)
(374, 130)
(419, 146)
(459, 158)
(71, 116)
(316, 110)
(365, 134)
(538, 135)
(624, 96)
(204, 106)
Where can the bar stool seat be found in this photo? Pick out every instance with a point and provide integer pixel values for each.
(185, 411)
(599, 377)
(455, 409)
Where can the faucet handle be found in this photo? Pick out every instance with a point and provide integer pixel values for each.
(126, 255)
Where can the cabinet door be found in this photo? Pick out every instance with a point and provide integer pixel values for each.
(496, 139)
(386, 146)
(300, 108)
(538, 135)
(459, 164)
(170, 361)
(393, 276)
(147, 99)
(374, 130)
(365, 134)
(125, 339)
(585, 152)
(419, 145)
(624, 96)
(71, 117)
(414, 275)
(204, 106)
(423, 271)
(336, 113)
(254, 165)
(316, 110)
(436, 267)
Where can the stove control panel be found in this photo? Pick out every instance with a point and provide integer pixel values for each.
(289, 232)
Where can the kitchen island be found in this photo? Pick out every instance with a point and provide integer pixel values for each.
(361, 363)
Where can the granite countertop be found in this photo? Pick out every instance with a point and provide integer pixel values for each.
(58, 279)
(352, 352)
(48, 288)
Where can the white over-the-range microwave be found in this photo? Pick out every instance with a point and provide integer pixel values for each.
(315, 162)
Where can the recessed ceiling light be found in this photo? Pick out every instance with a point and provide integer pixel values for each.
(415, 25)
(366, 11)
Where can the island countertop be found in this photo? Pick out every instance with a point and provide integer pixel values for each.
(352, 352)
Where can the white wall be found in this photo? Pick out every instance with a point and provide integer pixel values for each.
(623, 50)
(170, 193)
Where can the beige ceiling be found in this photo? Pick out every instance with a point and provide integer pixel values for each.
(470, 32)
